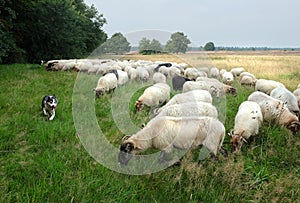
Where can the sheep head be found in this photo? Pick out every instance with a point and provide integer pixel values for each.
(232, 91)
(126, 149)
(294, 127)
(236, 141)
(139, 105)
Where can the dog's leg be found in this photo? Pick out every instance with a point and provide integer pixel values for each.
(45, 113)
(52, 116)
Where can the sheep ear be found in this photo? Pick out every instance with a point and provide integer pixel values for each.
(125, 138)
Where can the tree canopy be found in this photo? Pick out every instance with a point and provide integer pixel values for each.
(32, 30)
(149, 47)
(178, 43)
(209, 46)
(117, 44)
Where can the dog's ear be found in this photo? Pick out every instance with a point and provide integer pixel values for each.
(54, 96)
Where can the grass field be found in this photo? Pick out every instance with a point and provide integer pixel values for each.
(44, 161)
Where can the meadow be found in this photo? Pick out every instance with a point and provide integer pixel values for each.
(44, 161)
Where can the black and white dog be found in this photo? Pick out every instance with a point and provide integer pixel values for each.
(49, 104)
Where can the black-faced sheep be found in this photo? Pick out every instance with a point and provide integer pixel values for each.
(166, 133)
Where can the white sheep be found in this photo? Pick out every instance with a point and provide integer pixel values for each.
(174, 70)
(247, 123)
(214, 72)
(247, 80)
(266, 86)
(165, 133)
(153, 96)
(237, 71)
(193, 73)
(297, 94)
(191, 96)
(159, 78)
(106, 83)
(215, 87)
(143, 74)
(227, 78)
(188, 109)
(122, 77)
(275, 111)
(247, 74)
(287, 97)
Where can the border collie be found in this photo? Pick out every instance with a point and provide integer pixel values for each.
(49, 104)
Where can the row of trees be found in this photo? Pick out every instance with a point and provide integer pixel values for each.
(32, 30)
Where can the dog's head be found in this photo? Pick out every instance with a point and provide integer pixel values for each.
(139, 105)
(51, 101)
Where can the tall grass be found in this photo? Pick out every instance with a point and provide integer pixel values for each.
(44, 161)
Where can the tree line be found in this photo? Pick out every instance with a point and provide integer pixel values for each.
(34, 30)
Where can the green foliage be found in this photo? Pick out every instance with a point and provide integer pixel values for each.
(178, 43)
(117, 44)
(47, 29)
(149, 47)
(209, 46)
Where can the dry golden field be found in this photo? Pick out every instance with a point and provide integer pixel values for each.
(282, 66)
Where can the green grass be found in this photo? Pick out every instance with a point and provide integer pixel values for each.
(44, 161)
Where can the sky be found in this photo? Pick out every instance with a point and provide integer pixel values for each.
(242, 23)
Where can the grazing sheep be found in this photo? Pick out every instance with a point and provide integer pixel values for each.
(166, 133)
(287, 97)
(123, 77)
(188, 109)
(266, 86)
(297, 94)
(227, 78)
(237, 71)
(193, 73)
(247, 123)
(215, 87)
(178, 81)
(174, 71)
(162, 64)
(159, 78)
(204, 69)
(114, 71)
(191, 96)
(132, 73)
(275, 111)
(247, 80)
(214, 72)
(106, 83)
(247, 74)
(153, 96)
(143, 74)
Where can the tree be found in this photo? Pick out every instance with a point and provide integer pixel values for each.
(48, 29)
(178, 43)
(210, 46)
(117, 44)
(147, 47)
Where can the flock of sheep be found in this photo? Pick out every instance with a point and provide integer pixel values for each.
(189, 119)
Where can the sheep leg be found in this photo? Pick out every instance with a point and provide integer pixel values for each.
(223, 151)
(213, 156)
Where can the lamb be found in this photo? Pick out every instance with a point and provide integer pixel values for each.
(275, 111)
(153, 96)
(215, 87)
(246, 124)
(178, 81)
(188, 109)
(166, 133)
(159, 78)
(237, 71)
(227, 78)
(266, 86)
(287, 97)
(106, 83)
